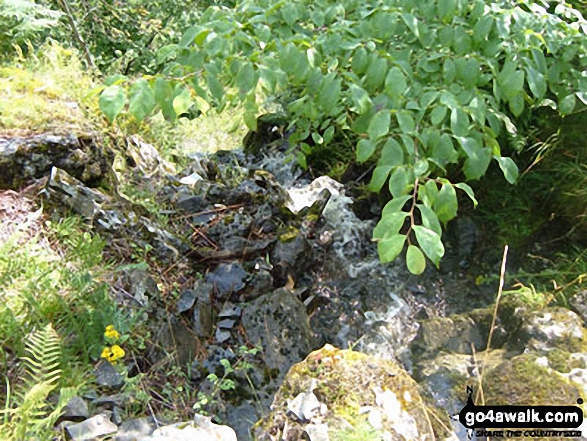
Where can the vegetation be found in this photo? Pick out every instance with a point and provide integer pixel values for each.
(429, 92)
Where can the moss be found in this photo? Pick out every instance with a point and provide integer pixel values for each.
(289, 234)
(345, 382)
(559, 360)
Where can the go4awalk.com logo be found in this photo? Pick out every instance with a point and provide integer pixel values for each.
(521, 421)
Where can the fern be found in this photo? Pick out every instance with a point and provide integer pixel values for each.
(41, 376)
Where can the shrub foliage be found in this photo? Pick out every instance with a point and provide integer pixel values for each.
(423, 88)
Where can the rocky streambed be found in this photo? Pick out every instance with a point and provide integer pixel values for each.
(262, 256)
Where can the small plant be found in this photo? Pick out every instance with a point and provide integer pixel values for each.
(225, 383)
(112, 353)
(29, 417)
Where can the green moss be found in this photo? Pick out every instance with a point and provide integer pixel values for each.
(289, 234)
(559, 360)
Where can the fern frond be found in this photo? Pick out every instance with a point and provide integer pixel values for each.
(43, 355)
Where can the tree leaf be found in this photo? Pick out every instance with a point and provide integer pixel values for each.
(391, 153)
(376, 73)
(365, 149)
(379, 177)
(430, 243)
(389, 224)
(395, 83)
(246, 78)
(405, 120)
(469, 191)
(361, 99)
(438, 114)
(112, 101)
(430, 219)
(390, 247)
(142, 101)
(396, 204)
(400, 181)
(182, 102)
(379, 125)
(459, 122)
(415, 260)
(508, 167)
(536, 82)
(567, 104)
(446, 205)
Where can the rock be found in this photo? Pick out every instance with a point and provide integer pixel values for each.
(110, 401)
(203, 312)
(308, 195)
(108, 376)
(551, 328)
(230, 310)
(135, 429)
(278, 322)
(97, 426)
(186, 300)
(579, 304)
(227, 278)
(291, 255)
(32, 157)
(141, 285)
(317, 432)
(76, 410)
(349, 384)
(201, 429)
(174, 337)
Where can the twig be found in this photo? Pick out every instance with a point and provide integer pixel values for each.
(65, 6)
(494, 318)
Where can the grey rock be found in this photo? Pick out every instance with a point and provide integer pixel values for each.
(203, 312)
(99, 425)
(174, 337)
(76, 409)
(107, 376)
(230, 310)
(227, 278)
(141, 285)
(279, 323)
(222, 336)
(551, 328)
(135, 429)
(109, 401)
(579, 304)
(226, 323)
(304, 406)
(186, 301)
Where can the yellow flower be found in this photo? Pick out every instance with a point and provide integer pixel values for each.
(112, 353)
(111, 333)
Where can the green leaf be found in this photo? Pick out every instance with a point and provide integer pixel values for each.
(389, 225)
(468, 71)
(142, 101)
(182, 102)
(430, 243)
(250, 117)
(446, 205)
(396, 204)
(438, 114)
(566, 105)
(459, 122)
(536, 82)
(420, 167)
(447, 9)
(482, 28)
(390, 247)
(361, 99)
(365, 149)
(444, 152)
(508, 167)
(379, 177)
(391, 153)
(415, 260)
(246, 78)
(360, 61)
(430, 219)
(511, 83)
(405, 120)
(477, 163)
(376, 72)
(469, 191)
(329, 94)
(412, 23)
(400, 181)
(379, 125)
(112, 101)
(395, 83)
(164, 98)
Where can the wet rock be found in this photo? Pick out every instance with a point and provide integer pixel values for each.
(306, 196)
(32, 157)
(76, 410)
(227, 278)
(551, 328)
(291, 255)
(141, 285)
(201, 429)
(107, 375)
(453, 334)
(278, 322)
(135, 429)
(186, 300)
(193, 204)
(349, 384)
(97, 426)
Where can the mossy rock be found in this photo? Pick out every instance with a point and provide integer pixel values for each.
(522, 381)
(351, 385)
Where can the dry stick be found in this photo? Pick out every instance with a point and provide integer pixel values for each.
(88, 55)
(494, 318)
